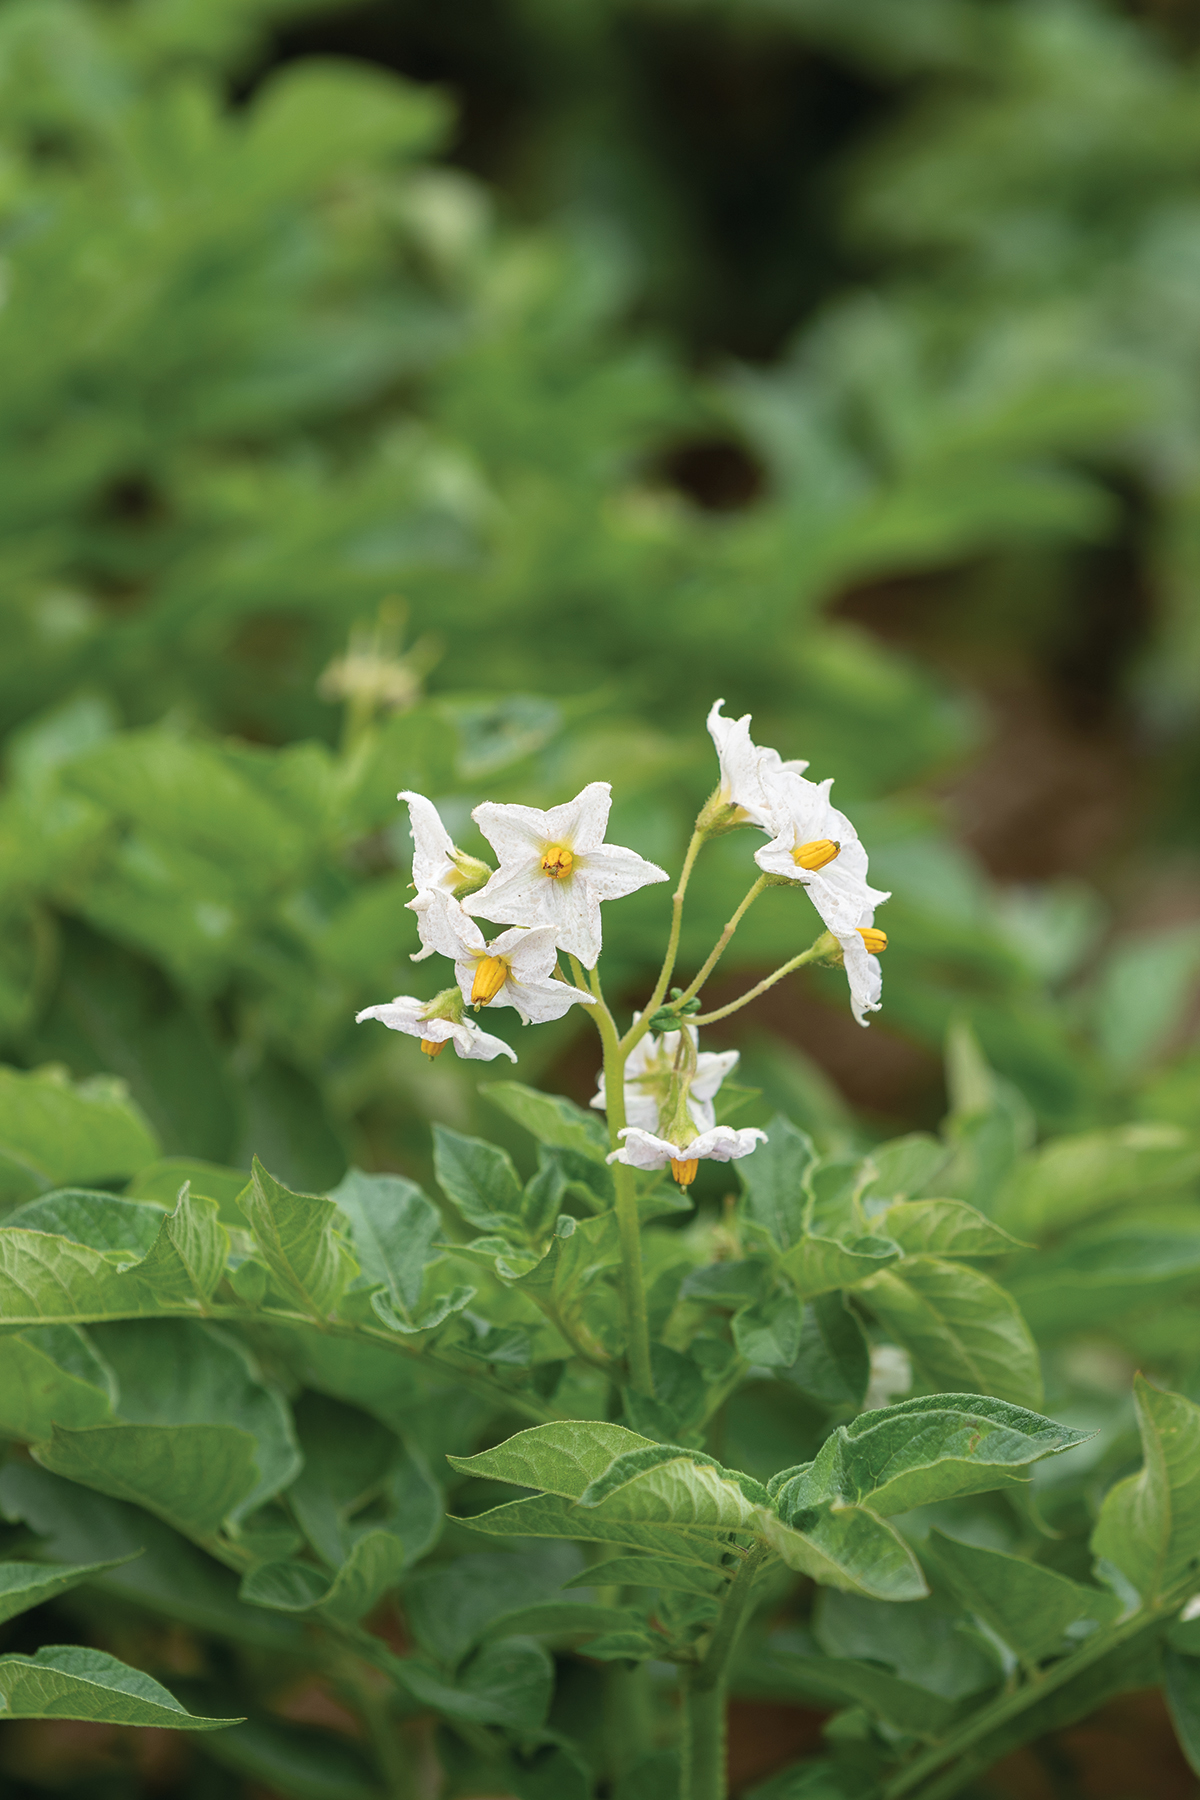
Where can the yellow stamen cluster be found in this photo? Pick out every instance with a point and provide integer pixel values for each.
(816, 854)
(432, 1048)
(557, 862)
(491, 973)
(876, 941)
(684, 1170)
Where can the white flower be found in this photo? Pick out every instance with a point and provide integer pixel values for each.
(859, 945)
(747, 769)
(514, 970)
(648, 1079)
(437, 864)
(555, 868)
(817, 846)
(643, 1150)
(408, 1015)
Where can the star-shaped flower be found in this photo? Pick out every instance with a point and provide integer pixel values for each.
(515, 969)
(555, 869)
(747, 770)
(648, 1074)
(643, 1150)
(406, 1014)
(437, 863)
(817, 846)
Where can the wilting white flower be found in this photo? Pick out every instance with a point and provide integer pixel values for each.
(747, 769)
(409, 1015)
(644, 1150)
(437, 864)
(648, 1073)
(555, 868)
(817, 846)
(514, 970)
(860, 944)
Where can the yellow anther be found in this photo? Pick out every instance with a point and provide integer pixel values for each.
(684, 1171)
(430, 1048)
(876, 941)
(816, 854)
(557, 861)
(491, 973)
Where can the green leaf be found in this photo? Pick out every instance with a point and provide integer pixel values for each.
(768, 1333)
(817, 1265)
(663, 1485)
(374, 1565)
(1149, 1524)
(296, 1760)
(650, 1572)
(903, 1167)
(551, 1119)
(553, 1516)
(944, 1228)
(478, 1178)
(187, 1259)
(847, 1547)
(439, 1309)
(193, 1476)
(926, 1642)
(680, 1397)
(833, 1361)
(1181, 1680)
(297, 1235)
(51, 1375)
(66, 1681)
(1074, 1178)
(1028, 1606)
(45, 1280)
(23, 1585)
(1100, 1274)
(53, 1133)
(959, 1327)
(167, 1575)
(508, 1684)
(562, 1458)
(392, 1224)
(355, 1466)
(773, 1191)
(903, 1705)
(99, 1220)
(161, 1181)
(180, 1372)
(936, 1447)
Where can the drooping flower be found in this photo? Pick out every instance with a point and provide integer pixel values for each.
(555, 869)
(645, 1150)
(817, 846)
(515, 969)
(437, 862)
(743, 795)
(650, 1070)
(406, 1014)
(861, 945)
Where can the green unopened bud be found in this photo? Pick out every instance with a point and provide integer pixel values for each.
(719, 814)
(470, 873)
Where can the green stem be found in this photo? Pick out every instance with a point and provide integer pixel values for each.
(812, 954)
(719, 948)
(638, 1031)
(1010, 1706)
(703, 1773)
(637, 1321)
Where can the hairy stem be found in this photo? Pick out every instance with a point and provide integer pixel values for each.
(702, 1763)
(637, 1322)
(638, 1031)
(719, 948)
(812, 954)
(960, 1743)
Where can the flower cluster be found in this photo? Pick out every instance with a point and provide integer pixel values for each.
(555, 871)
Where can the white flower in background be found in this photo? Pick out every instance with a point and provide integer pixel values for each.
(555, 869)
(648, 1074)
(861, 945)
(515, 969)
(437, 863)
(644, 1150)
(412, 1016)
(747, 771)
(817, 846)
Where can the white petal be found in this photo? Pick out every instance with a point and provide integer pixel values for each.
(724, 1144)
(612, 872)
(531, 954)
(474, 1045)
(432, 843)
(747, 769)
(863, 972)
(538, 1001)
(514, 832)
(711, 1069)
(513, 895)
(642, 1150)
(401, 1014)
(582, 822)
(443, 924)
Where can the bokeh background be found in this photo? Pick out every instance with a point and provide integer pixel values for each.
(460, 395)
